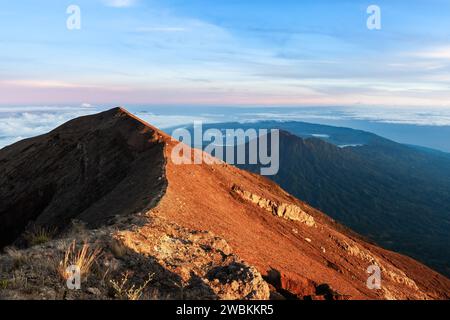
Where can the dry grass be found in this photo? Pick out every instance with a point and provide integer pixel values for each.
(126, 292)
(18, 258)
(39, 235)
(19, 280)
(4, 284)
(83, 258)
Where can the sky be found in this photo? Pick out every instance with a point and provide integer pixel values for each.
(225, 52)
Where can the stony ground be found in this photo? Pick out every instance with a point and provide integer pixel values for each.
(142, 257)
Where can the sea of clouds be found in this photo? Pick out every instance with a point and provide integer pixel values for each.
(24, 122)
(17, 123)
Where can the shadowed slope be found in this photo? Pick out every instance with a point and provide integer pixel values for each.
(91, 168)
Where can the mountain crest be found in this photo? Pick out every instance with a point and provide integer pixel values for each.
(110, 171)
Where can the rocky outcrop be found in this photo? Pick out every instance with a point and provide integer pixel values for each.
(387, 269)
(154, 260)
(200, 256)
(283, 210)
(293, 286)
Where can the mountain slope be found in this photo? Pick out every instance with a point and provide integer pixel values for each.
(81, 170)
(300, 251)
(395, 195)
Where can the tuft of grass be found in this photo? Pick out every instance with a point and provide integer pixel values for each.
(39, 235)
(4, 284)
(124, 291)
(83, 258)
(19, 280)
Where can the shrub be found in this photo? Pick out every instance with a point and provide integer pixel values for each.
(126, 292)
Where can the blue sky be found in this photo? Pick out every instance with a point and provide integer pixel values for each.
(225, 52)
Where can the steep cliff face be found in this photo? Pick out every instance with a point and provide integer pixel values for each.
(113, 172)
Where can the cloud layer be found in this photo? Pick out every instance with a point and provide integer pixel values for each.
(19, 123)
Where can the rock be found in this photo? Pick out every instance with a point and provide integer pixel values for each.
(291, 285)
(274, 295)
(239, 280)
(93, 291)
(112, 263)
(297, 285)
(328, 293)
(202, 261)
(282, 210)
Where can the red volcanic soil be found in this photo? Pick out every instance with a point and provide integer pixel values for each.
(301, 252)
(304, 257)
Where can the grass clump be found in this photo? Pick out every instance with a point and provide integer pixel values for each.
(39, 235)
(124, 291)
(4, 284)
(83, 258)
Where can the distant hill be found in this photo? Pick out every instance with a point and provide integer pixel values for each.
(394, 194)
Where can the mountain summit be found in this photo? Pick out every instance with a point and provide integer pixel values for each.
(214, 230)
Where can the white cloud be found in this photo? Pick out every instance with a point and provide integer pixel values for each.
(435, 53)
(120, 3)
(20, 123)
(38, 83)
(17, 123)
(419, 117)
(86, 105)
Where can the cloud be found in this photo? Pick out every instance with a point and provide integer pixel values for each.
(160, 29)
(418, 117)
(163, 54)
(20, 123)
(436, 53)
(17, 123)
(120, 3)
(87, 105)
(42, 84)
